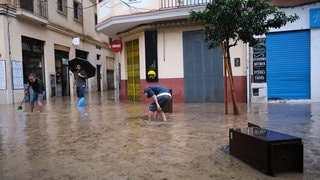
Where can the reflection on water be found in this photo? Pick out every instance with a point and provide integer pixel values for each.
(112, 140)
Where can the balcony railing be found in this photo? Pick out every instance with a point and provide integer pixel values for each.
(38, 8)
(181, 3)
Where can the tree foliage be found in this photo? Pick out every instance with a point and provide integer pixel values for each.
(235, 20)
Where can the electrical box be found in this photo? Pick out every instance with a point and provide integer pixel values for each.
(259, 93)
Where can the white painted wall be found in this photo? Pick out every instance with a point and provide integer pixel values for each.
(111, 8)
(170, 54)
(239, 51)
(301, 23)
(315, 63)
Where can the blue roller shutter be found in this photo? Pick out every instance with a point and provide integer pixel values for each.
(288, 65)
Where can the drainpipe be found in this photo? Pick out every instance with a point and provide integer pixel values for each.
(9, 47)
(248, 75)
(82, 25)
(164, 46)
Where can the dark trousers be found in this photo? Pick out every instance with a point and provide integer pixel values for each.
(80, 92)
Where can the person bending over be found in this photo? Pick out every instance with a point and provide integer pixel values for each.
(160, 97)
(37, 92)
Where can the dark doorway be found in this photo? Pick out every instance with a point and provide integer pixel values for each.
(110, 79)
(32, 55)
(99, 78)
(62, 73)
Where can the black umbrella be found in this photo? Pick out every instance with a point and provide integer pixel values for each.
(85, 65)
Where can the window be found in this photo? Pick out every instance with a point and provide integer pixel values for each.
(27, 5)
(77, 10)
(62, 6)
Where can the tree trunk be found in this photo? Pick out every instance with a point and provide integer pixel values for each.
(225, 90)
(227, 63)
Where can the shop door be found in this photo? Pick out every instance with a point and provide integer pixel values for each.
(132, 50)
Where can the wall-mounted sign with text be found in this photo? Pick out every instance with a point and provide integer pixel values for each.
(259, 63)
(314, 17)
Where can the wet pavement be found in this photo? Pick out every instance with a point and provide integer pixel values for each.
(109, 140)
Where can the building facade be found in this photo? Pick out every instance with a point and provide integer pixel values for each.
(41, 37)
(160, 46)
(292, 56)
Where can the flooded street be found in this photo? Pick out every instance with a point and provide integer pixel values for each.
(108, 140)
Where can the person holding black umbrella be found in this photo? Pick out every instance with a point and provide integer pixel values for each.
(80, 77)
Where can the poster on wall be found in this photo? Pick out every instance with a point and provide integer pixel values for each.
(17, 75)
(3, 75)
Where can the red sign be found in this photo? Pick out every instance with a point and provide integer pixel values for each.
(116, 45)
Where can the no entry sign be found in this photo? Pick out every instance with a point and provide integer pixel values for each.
(116, 45)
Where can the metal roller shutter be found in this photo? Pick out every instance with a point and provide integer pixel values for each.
(288, 65)
(203, 69)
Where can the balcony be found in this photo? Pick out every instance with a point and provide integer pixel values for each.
(34, 10)
(181, 3)
(116, 16)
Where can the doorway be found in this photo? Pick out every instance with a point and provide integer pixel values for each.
(32, 55)
(62, 73)
(110, 79)
(133, 68)
(203, 67)
(99, 78)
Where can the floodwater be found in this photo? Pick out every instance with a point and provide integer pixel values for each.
(109, 140)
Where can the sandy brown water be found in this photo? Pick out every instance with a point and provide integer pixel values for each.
(109, 140)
